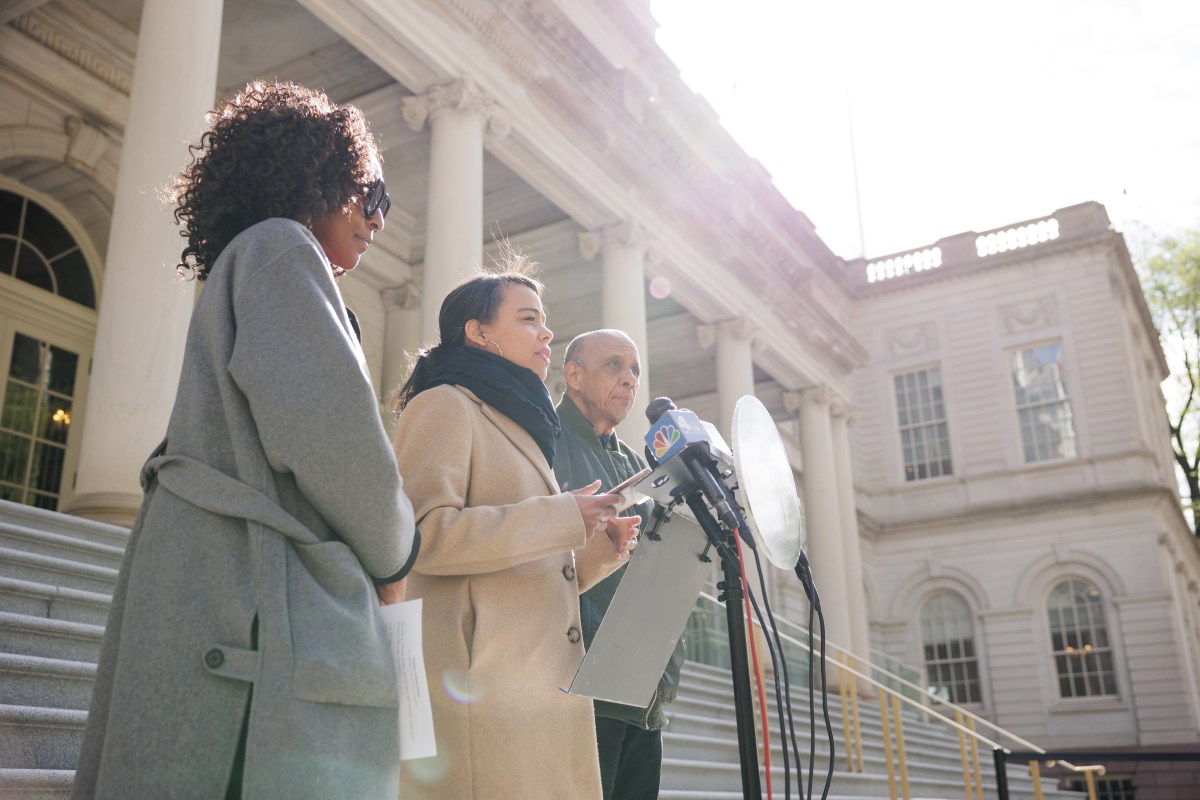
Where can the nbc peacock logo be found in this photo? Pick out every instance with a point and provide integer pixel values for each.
(664, 437)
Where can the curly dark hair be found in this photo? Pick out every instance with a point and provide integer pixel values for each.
(273, 150)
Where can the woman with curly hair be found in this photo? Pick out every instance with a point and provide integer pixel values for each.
(244, 654)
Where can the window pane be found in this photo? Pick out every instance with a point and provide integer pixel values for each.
(14, 458)
(8, 255)
(46, 501)
(10, 213)
(47, 467)
(1079, 639)
(45, 232)
(74, 280)
(947, 629)
(32, 268)
(20, 408)
(56, 419)
(26, 359)
(1043, 406)
(62, 367)
(921, 415)
(36, 248)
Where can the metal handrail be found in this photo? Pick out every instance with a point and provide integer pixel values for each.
(843, 656)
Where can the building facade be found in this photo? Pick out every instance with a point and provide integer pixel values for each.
(979, 441)
(1023, 535)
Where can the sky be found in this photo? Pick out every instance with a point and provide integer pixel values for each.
(954, 115)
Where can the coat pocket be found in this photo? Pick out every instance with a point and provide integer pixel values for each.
(340, 645)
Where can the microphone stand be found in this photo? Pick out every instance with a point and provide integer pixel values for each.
(721, 538)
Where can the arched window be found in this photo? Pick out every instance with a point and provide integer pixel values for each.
(948, 635)
(1083, 655)
(37, 249)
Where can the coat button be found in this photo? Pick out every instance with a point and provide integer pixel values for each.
(214, 658)
(569, 572)
(573, 634)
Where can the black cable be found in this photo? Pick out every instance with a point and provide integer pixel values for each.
(780, 667)
(824, 699)
(787, 771)
(812, 702)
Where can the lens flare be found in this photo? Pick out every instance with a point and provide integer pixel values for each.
(660, 288)
(457, 688)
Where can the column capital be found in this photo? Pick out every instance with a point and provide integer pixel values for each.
(819, 395)
(405, 296)
(843, 408)
(460, 95)
(734, 328)
(625, 233)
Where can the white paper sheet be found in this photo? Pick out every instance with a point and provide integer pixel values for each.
(416, 715)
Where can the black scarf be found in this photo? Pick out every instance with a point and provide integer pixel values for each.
(515, 391)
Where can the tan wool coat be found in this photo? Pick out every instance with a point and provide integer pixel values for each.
(503, 560)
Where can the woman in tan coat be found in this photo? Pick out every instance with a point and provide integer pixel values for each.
(504, 556)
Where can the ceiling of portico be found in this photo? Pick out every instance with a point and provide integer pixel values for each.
(283, 39)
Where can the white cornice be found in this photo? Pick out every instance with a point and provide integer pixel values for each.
(565, 125)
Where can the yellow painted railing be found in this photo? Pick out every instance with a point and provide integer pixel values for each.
(893, 693)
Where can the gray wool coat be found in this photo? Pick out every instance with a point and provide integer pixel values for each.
(246, 583)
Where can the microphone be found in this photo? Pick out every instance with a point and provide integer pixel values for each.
(679, 433)
(658, 406)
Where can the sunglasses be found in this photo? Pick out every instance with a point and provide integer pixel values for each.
(376, 199)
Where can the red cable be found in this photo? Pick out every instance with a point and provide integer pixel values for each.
(762, 702)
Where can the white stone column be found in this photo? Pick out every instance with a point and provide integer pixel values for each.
(821, 509)
(735, 340)
(458, 114)
(401, 333)
(624, 248)
(856, 600)
(144, 306)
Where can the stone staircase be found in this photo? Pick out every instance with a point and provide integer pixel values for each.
(56, 578)
(57, 575)
(700, 756)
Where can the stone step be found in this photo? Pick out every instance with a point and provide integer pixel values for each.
(36, 784)
(721, 780)
(924, 763)
(53, 571)
(717, 688)
(55, 522)
(687, 712)
(44, 600)
(40, 738)
(59, 545)
(49, 638)
(45, 682)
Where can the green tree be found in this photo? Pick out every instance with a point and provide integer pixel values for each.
(1171, 281)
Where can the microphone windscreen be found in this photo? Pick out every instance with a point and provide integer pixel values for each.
(659, 406)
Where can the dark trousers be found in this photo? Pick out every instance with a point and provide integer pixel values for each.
(630, 760)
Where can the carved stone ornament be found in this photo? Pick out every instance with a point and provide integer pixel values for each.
(461, 95)
(912, 340)
(1029, 316)
(87, 146)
